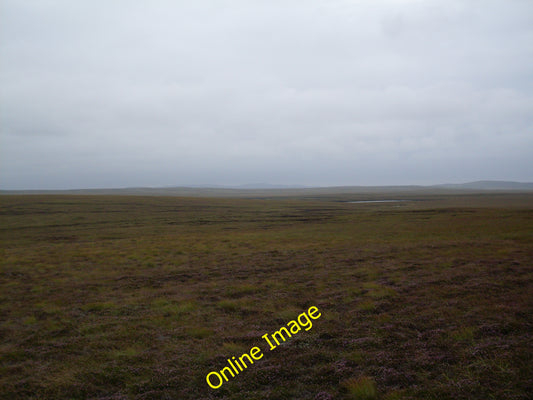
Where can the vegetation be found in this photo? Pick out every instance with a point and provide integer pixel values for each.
(126, 297)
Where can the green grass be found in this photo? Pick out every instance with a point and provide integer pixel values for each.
(117, 297)
(362, 388)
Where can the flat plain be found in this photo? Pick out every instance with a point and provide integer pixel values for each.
(140, 297)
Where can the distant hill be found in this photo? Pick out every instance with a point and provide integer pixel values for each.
(488, 185)
(264, 190)
(244, 186)
(268, 186)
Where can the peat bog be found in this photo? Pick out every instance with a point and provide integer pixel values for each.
(129, 297)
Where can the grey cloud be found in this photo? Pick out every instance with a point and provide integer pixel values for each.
(135, 93)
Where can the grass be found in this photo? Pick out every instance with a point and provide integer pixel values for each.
(117, 297)
(362, 388)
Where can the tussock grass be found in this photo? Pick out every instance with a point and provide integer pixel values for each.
(199, 332)
(465, 333)
(362, 388)
(367, 305)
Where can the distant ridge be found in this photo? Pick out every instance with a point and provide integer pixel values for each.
(488, 185)
(268, 186)
(244, 186)
(269, 190)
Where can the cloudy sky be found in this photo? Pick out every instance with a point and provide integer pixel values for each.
(316, 92)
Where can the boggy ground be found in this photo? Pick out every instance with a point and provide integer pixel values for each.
(106, 297)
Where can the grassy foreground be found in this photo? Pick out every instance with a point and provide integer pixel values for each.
(108, 297)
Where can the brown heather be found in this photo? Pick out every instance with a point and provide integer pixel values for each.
(124, 297)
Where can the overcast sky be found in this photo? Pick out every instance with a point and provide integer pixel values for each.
(316, 92)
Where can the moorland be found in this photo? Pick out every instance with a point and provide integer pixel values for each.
(140, 297)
